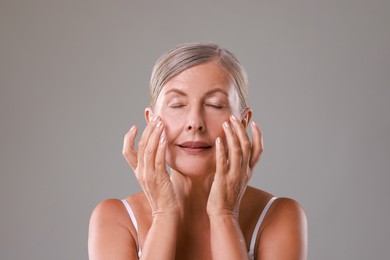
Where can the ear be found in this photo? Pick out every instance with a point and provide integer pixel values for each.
(246, 117)
(148, 114)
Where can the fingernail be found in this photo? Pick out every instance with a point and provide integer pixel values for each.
(233, 117)
(132, 128)
(219, 140)
(162, 139)
(226, 124)
(159, 124)
(154, 118)
(254, 123)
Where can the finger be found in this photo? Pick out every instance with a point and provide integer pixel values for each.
(128, 151)
(221, 162)
(234, 148)
(151, 148)
(257, 144)
(144, 140)
(160, 154)
(243, 140)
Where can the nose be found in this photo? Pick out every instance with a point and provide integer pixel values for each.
(193, 126)
(195, 121)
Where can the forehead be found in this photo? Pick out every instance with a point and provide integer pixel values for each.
(200, 78)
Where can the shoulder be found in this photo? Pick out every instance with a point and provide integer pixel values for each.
(286, 212)
(110, 230)
(284, 229)
(109, 216)
(114, 212)
(282, 209)
(111, 210)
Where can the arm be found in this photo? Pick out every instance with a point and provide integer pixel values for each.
(160, 242)
(230, 181)
(227, 240)
(149, 164)
(284, 235)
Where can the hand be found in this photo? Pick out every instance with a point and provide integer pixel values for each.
(149, 166)
(233, 173)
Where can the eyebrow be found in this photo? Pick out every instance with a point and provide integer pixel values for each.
(177, 91)
(208, 93)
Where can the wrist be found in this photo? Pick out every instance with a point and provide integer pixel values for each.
(166, 215)
(223, 215)
(166, 221)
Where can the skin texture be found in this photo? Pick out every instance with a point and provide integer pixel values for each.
(204, 208)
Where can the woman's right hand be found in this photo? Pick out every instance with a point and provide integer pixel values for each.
(149, 166)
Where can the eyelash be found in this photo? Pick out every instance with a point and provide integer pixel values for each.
(177, 105)
(207, 105)
(214, 106)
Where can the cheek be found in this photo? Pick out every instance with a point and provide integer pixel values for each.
(215, 127)
(172, 126)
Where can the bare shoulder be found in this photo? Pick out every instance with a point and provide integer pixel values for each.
(286, 212)
(110, 233)
(282, 210)
(287, 206)
(110, 211)
(113, 212)
(284, 233)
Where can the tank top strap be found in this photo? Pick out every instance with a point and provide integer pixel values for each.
(257, 227)
(134, 221)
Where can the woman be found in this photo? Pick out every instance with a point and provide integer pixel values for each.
(203, 208)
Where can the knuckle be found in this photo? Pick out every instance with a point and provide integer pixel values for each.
(247, 145)
(148, 152)
(260, 149)
(141, 144)
(160, 164)
(237, 149)
(126, 153)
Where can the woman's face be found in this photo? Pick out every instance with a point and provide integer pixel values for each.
(193, 106)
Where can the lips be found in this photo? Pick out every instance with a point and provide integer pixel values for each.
(195, 147)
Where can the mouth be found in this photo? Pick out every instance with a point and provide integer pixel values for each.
(195, 147)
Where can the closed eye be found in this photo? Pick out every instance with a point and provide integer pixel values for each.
(216, 106)
(177, 105)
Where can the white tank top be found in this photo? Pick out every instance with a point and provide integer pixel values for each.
(251, 252)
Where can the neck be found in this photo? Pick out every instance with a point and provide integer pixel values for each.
(192, 192)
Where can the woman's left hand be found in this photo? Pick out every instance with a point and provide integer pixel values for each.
(233, 173)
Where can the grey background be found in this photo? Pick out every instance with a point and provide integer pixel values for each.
(74, 77)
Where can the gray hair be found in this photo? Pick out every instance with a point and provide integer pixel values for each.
(186, 56)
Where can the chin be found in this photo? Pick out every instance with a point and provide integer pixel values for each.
(193, 167)
(194, 164)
